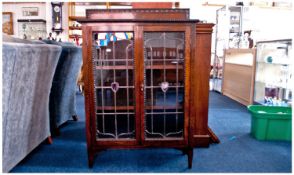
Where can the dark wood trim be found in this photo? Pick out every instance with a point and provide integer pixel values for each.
(75, 28)
(31, 20)
(76, 18)
(132, 107)
(201, 140)
(99, 20)
(75, 36)
(139, 54)
(147, 14)
(202, 28)
(87, 92)
(139, 62)
(192, 117)
(187, 82)
(123, 67)
(103, 3)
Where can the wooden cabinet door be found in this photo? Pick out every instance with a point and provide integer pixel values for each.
(112, 71)
(165, 84)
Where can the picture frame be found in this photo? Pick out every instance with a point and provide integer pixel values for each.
(7, 23)
(30, 11)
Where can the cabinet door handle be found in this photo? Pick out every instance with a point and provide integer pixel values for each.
(142, 87)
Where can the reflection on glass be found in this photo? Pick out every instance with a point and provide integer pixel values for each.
(164, 84)
(113, 60)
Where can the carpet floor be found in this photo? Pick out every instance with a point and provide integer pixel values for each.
(237, 152)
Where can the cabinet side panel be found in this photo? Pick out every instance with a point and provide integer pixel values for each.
(88, 81)
(200, 69)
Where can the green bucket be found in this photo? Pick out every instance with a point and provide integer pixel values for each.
(271, 122)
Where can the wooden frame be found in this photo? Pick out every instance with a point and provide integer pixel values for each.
(30, 11)
(197, 68)
(7, 23)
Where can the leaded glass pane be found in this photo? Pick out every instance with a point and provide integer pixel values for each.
(113, 60)
(164, 84)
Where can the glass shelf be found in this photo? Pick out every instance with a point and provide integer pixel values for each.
(273, 77)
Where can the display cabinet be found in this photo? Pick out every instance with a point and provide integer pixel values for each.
(228, 32)
(146, 80)
(273, 75)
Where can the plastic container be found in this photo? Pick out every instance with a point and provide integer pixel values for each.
(271, 122)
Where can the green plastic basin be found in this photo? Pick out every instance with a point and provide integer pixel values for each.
(271, 122)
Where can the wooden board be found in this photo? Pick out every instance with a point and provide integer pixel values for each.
(238, 78)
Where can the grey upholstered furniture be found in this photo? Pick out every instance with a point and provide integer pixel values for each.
(28, 69)
(63, 91)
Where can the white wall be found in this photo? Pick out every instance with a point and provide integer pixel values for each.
(269, 23)
(45, 13)
(265, 23)
(16, 9)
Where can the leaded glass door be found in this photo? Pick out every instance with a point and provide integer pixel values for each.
(114, 80)
(166, 65)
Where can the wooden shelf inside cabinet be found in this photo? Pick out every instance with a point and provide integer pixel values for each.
(132, 107)
(122, 67)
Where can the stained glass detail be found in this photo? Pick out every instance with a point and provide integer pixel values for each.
(113, 60)
(164, 84)
(114, 87)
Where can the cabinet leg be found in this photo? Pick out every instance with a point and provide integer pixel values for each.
(75, 118)
(190, 157)
(90, 159)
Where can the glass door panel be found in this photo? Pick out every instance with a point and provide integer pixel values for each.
(113, 60)
(164, 84)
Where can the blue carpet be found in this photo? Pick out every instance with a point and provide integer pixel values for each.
(237, 152)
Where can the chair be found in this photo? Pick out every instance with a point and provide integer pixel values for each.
(63, 91)
(28, 69)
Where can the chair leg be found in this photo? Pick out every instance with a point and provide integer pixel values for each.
(75, 117)
(57, 131)
(49, 140)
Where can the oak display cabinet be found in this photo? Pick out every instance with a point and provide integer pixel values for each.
(146, 80)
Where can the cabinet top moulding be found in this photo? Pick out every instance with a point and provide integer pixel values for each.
(147, 14)
(135, 21)
(31, 20)
(76, 17)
